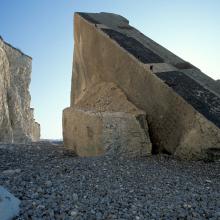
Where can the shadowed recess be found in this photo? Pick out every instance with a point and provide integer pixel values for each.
(134, 47)
(204, 101)
(88, 18)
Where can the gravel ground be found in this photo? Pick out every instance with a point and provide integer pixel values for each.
(52, 183)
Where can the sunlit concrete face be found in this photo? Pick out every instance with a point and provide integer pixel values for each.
(180, 102)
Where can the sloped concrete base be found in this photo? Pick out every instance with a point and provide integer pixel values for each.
(96, 133)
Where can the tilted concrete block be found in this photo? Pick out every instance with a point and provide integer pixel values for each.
(181, 103)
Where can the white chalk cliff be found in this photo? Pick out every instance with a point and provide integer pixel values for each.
(17, 123)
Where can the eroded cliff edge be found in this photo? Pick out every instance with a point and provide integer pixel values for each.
(180, 104)
(17, 123)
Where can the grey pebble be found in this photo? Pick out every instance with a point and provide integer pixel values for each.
(53, 183)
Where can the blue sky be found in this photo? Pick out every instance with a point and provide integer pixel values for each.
(44, 30)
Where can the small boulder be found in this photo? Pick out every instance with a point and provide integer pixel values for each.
(9, 205)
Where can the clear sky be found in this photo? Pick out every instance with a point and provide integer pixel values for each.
(43, 29)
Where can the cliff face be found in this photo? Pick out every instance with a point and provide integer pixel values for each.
(17, 122)
(180, 104)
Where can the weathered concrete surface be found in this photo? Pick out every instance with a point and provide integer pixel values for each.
(203, 79)
(182, 122)
(17, 122)
(105, 122)
(218, 83)
(116, 134)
